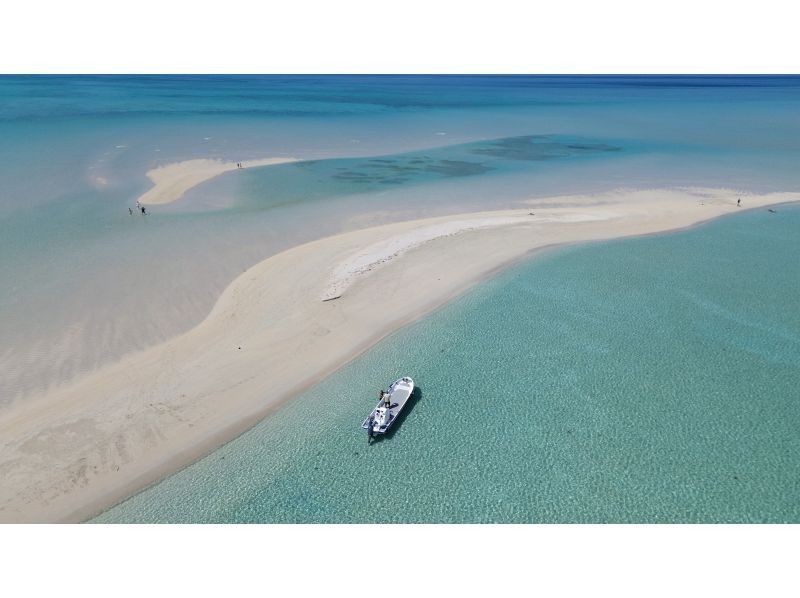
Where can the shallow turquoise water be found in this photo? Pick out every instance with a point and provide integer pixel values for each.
(639, 380)
(84, 283)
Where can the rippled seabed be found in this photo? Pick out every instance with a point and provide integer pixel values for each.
(639, 380)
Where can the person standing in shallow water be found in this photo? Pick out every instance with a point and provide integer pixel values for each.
(130, 211)
(739, 203)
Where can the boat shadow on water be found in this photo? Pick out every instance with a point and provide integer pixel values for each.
(416, 397)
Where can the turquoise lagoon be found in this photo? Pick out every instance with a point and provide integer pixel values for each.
(84, 283)
(642, 380)
(652, 384)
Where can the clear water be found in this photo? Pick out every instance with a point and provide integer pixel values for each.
(639, 380)
(84, 283)
(369, 178)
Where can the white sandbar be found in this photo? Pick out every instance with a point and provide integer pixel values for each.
(171, 181)
(84, 445)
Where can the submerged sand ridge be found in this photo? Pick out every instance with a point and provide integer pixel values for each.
(83, 446)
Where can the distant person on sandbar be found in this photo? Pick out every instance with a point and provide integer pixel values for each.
(739, 202)
(144, 211)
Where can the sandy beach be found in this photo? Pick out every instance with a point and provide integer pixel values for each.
(280, 327)
(171, 181)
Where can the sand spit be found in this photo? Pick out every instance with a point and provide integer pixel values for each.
(170, 182)
(84, 446)
(365, 261)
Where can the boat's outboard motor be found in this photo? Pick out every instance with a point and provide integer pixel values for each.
(370, 425)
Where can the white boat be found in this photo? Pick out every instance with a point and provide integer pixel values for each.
(389, 406)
